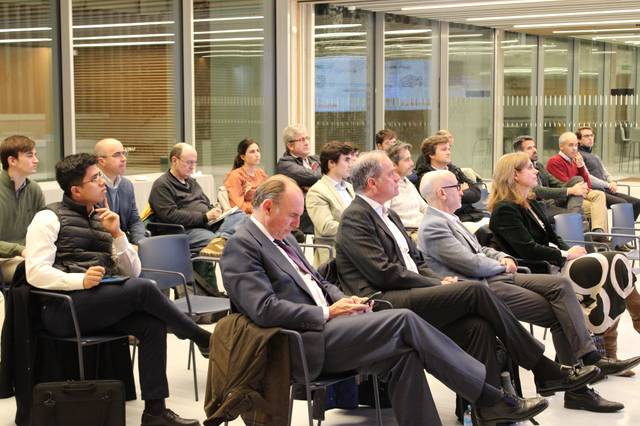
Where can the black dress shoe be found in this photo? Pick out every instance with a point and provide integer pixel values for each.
(167, 418)
(590, 401)
(576, 378)
(510, 408)
(610, 366)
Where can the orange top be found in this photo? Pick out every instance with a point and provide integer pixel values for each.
(241, 186)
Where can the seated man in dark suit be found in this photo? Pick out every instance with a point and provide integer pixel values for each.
(300, 165)
(71, 246)
(542, 299)
(270, 281)
(112, 160)
(374, 253)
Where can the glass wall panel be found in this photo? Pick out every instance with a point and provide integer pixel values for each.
(557, 90)
(519, 53)
(408, 75)
(471, 96)
(125, 77)
(621, 106)
(29, 86)
(343, 86)
(231, 40)
(589, 87)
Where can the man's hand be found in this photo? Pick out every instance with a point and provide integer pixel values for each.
(510, 266)
(93, 276)
(613, 187)
(579, 160)
(579, 189)
(213, 213)
(575, 252)
(449, 280)
(110, 221)
(348, 306)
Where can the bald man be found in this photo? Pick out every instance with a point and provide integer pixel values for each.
(112, 161)
(177, 198)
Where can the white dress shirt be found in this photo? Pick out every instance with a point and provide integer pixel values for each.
(312, 286)
(341, 187)
(42, 234)
(397, 235)
(408, 204)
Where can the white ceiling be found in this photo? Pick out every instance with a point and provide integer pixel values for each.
(508, 14)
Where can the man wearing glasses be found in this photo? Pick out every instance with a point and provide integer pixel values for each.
(112, 160)
(598, 174)
(298, 163)
(71, 246)
(178, 198)
(541, 299)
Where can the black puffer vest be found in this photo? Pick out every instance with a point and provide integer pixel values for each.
(82, 241)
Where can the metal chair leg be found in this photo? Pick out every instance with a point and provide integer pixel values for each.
(133, 353)
(80, 360)
(309, 405)
(189, 356)
(195, 376)
(376, 396)
(290, 416)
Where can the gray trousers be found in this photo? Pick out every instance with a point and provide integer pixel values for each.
(547, 301)
(398, 345)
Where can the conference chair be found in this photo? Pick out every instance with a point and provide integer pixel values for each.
(166, 259)
(569, 228)
(623, 224)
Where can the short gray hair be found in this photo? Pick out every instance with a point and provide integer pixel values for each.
(430, 183)
(394, 151)
(368, 165)
(564, 138)
(272, 189)
(290, 132)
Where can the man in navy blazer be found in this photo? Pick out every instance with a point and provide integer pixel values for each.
(269, 280)
(542, 299)
(112, 160)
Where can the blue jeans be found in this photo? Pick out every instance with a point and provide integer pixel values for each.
(200, 237)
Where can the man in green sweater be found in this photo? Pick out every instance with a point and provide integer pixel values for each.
(20, 200)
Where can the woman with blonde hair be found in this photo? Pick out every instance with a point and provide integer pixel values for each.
(601, 280)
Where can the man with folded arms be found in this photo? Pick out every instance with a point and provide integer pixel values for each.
(374, 253)
(269, 280)
(541, 299)
(71, 246)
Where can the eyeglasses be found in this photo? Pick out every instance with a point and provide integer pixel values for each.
(93, 179)
(189, 163)
(304, 139)
(457, 186)
(117, 155)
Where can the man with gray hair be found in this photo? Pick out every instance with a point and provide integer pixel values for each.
(408, 204)
(375, 254)
(269, 280)
(567, 164)
(542, 299)
(298, 163)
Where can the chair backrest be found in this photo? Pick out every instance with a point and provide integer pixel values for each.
(569, 227)
(223, 198)
(622, 129)
(623, 222)
(167, 253)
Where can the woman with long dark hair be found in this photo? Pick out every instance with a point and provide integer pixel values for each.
(242, 181)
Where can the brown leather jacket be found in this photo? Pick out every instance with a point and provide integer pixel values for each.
(248, 374)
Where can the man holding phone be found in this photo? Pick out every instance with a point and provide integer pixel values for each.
(71, 246)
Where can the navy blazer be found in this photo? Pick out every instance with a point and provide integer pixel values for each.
(126, 208)
(263, 285)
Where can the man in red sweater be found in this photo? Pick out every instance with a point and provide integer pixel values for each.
(569, 163)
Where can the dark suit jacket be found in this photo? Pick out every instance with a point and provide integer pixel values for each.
(263, 285)
(292, 166)
(520, 235)
(369, 259)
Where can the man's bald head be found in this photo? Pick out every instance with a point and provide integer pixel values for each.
(431, 182)
(112, 157)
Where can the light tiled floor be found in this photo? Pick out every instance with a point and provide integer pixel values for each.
(626, 390)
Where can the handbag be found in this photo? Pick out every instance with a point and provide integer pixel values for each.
(79, 403)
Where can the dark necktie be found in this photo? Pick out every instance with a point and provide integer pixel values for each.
(293, 255)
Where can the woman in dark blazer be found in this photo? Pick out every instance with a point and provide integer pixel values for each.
(601, 281)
